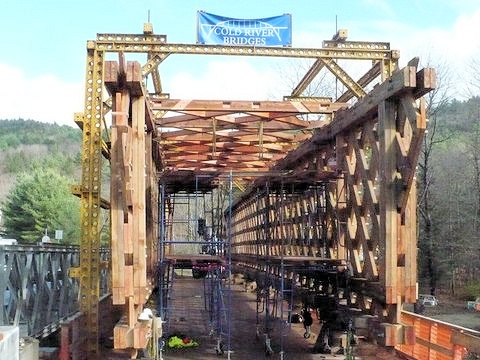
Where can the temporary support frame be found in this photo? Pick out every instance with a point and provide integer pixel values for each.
(211, 239)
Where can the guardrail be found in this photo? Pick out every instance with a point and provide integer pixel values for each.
(435, 339)
(36, 292)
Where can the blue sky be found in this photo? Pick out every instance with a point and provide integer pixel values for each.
(43, 42)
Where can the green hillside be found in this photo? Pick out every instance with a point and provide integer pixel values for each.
(14, 133)
(38, 162)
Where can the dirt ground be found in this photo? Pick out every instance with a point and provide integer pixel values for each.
(190, 318)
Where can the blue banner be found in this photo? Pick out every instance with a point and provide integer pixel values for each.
(220, 30)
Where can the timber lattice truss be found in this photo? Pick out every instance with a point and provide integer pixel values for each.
(367, 212)
(362, 156)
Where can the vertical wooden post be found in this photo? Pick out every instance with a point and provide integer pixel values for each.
(151, 201)
(388, 203)
(341, 202)
(139, 214)
(409, 235)
(117, 195)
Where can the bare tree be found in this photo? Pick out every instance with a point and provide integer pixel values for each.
(436, 101)
(473, 77)
(294, 70)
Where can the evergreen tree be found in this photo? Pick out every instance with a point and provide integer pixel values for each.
(41, 200)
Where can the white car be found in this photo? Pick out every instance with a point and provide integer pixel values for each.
(428, 300)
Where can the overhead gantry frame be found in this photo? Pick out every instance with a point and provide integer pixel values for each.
(251, 139)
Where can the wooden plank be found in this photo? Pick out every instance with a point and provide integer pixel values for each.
(417, 119)
(341, 200)
(128, 276)
(426, 80)
(151, 201)
(140, 336)
(72, 338)
(435, 347)
(131, 312)
(122, 336)
(127, 166)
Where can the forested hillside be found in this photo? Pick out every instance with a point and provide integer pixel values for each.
(38, 162)
(24, 143)
(449, 200)
(29, 132)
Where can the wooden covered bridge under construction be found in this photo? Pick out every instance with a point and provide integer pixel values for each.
(313, 199)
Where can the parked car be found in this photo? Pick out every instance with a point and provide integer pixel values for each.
(428, 300)
(474, 305)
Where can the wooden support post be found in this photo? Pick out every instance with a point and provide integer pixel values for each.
(409, 235)
(151, 201)
(388, 208)
(72, 338)
(128, 192)
(341, 199)
(139, 214)
(117, 195)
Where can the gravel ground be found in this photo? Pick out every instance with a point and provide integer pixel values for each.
(454, 311)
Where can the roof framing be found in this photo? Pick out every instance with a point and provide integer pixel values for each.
(239, 136)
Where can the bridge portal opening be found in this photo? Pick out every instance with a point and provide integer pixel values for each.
(311, 197)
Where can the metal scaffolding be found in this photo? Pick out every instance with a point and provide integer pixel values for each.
(193, 234)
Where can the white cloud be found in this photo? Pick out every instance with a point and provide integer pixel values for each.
(43, 98)
(454, 47)
(227, 79)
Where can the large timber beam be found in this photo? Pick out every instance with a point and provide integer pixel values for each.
(272, 108)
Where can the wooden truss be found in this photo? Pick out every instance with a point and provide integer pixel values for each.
(366, 213)
(363, 157)
(220, 136)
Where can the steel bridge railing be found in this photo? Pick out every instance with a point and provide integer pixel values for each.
(36, 291)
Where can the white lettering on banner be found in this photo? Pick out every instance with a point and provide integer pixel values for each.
(231, 40)
(227, 31)
(219, 29)
(260, 32)
(273, 31)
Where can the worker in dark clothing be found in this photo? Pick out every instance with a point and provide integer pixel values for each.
(325, 338)
(335, 322)
(307, 322)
